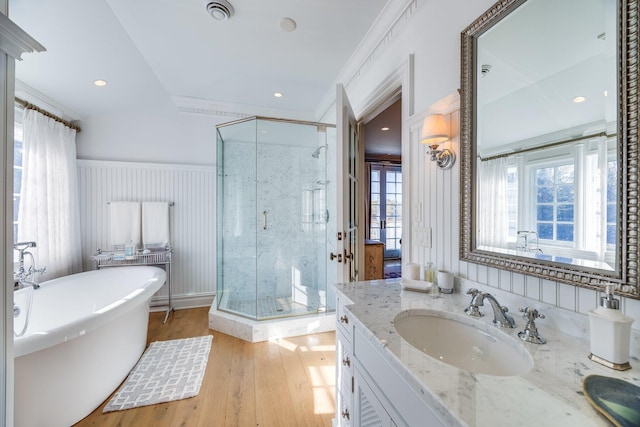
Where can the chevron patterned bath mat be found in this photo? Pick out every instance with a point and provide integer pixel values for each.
(168, 370)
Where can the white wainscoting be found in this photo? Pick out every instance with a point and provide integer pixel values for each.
(193, 218)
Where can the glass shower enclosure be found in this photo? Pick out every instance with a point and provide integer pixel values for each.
(272, 217)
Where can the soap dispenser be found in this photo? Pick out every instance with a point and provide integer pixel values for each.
(610, 333)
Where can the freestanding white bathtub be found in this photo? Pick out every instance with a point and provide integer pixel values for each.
(85, 333)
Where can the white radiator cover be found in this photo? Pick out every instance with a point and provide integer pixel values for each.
(193, 217)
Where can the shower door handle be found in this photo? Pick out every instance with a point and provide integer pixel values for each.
(264, 220)
(333, 256)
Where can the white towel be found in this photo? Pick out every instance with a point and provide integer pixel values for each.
(124, 223)
(155, 224)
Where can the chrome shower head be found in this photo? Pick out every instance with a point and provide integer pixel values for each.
(316, 154)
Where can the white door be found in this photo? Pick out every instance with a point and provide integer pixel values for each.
(348, 147)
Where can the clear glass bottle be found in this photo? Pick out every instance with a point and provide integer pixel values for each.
(429, 273)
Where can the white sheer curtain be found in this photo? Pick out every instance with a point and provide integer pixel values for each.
(49, 210)
(493, 214)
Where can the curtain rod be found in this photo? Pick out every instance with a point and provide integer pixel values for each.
(550, 145)
(30, 106)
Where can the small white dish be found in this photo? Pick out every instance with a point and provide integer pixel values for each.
(416, 285)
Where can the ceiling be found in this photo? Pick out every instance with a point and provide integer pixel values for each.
(532, 67)
(163, 52)
(382, 134)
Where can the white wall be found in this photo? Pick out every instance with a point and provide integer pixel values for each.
(159, 134)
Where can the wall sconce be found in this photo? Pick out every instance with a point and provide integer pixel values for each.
(434, 132)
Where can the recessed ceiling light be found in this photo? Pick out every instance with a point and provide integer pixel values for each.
(606, 93)
(100, 82)
(384, 129)
(277, 94)
(579, 99)
(288, 25)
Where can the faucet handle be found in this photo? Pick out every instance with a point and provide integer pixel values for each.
(531, 314)
(476, 301)
(530, 333)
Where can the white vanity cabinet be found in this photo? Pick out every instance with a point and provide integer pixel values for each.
(344, 367)
(369, 390)
(369, 411)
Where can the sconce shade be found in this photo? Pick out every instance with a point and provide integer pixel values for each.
(434, 130)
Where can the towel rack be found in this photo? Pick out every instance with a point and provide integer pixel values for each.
(104, 259)
(155, 257)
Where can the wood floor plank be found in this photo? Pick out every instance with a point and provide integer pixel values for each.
(317, 354)
(213, 401)
(241, 399)
(301, 389)
(273, 398)
(264, 384)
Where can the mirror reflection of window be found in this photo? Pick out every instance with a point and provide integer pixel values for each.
(512, 201)
(559, 201)
(555, 195)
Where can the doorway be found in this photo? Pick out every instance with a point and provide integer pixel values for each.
(383, 192)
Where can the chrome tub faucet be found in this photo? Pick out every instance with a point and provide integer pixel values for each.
(23, 276)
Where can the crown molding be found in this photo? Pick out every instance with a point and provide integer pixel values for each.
(234, 111)
(390, 23)
(14, 41)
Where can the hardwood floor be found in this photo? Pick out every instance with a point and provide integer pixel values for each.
(285, 383)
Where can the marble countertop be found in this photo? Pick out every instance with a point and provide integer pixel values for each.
(548, 395)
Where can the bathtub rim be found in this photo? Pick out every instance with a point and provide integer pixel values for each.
(35, 341)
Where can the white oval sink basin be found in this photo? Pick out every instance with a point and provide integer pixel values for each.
(464, 343)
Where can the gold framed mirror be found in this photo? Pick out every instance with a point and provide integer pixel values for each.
(549, 141)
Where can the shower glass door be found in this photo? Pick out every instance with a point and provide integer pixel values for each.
(272, 208)
(292, 217)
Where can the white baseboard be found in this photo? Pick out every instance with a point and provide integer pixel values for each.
(181, 302)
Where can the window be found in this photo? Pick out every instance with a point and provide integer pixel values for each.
(386, 208)
(555, 196)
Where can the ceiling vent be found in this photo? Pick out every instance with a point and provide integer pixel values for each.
(221, 10)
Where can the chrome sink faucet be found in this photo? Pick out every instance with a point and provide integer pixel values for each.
(500, 316)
